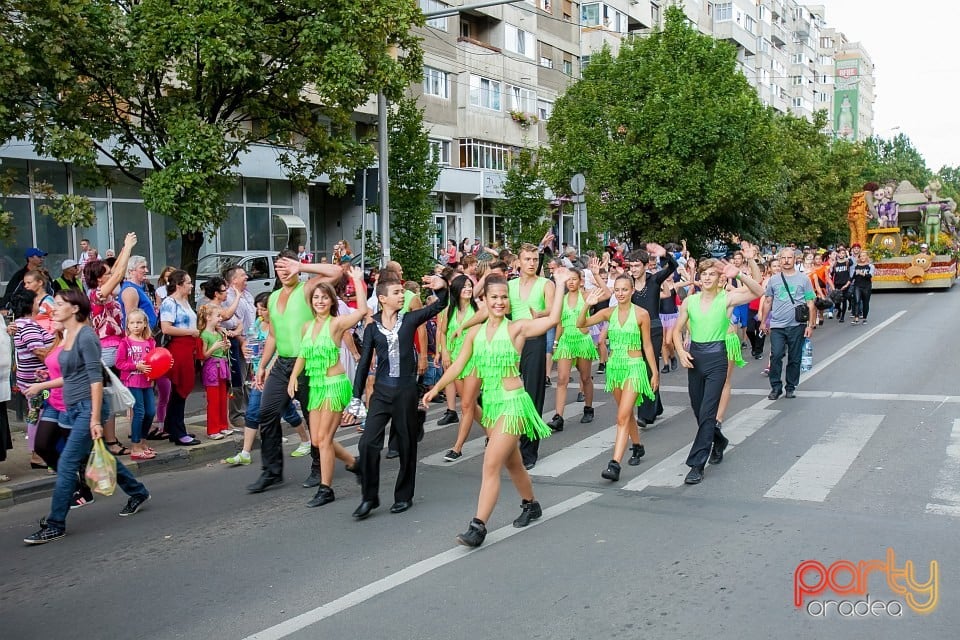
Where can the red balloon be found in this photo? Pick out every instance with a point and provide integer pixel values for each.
(160, 361)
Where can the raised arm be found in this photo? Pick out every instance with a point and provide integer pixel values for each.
(342, 323)
(604, 314)
(539, 326)
(119, 270)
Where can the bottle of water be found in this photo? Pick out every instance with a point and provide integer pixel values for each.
(254, 343)
(806, 361)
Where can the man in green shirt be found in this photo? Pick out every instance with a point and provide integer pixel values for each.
(289, 311)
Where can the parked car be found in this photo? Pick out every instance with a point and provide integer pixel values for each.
(258, 265)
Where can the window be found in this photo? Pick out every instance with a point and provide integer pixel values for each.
(764, 45)
(546, 5)
(823, 97)
(440, 151)
(567, 8)
(796, 102)
(435, 5)
(544, 109)
(484, 93)
(796, 58)
(796, 80)
(723, 12)
(520, 41)
(568, 63)
(762, 13)
(654, 14)
(546, 62)
(590, 15)
(480, 154)
(750, 24)
(521, 99)
(435, 82)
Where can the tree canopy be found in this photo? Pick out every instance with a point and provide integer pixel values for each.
(670, 134)
(413, 174)
(184, 88)
(524, 207)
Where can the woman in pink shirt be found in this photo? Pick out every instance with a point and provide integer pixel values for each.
(50, 435)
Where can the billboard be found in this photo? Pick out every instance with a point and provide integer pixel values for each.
(846, 99)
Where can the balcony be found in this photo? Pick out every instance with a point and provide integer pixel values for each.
(730, 30)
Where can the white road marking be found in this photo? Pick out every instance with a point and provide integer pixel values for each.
(670, 471)
(572, 456)
(843, 395)
(947, 491)
(412, 572)
(817, 472)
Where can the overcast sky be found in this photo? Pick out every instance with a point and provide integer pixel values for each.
(916, 55)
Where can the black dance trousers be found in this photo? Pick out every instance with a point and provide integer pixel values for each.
(648, 410)
(533, 370)
(397, 405)
(706, 380)
(273, 404)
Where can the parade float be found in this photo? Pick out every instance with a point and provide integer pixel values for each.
(893, 221)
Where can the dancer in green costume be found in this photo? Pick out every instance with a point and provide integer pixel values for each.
(575, 345)
(449, 343)
(708, 314)
(630, 344)
(508, 411)
(330, 389)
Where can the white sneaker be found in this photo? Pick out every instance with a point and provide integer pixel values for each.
(828, 315)
(216, 436)
(302, 450)
(227, 432)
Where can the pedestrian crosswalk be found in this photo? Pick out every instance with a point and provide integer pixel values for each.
(810, 470)
(586, 450)
(818, 471)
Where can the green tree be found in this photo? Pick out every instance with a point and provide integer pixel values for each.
(897, 159)
(672, 139)
(818, 176)
(950, 179)
(413, 175)
(523, 208)
(185, 87)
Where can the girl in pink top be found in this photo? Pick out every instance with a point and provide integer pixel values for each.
(131, 355)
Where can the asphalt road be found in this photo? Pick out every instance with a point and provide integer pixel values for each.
(860, 462)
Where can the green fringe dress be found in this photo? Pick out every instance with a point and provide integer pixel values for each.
(621, 366)
(494, 361)
(326, 392)
(573, 343)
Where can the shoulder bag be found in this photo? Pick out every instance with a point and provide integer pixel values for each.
(801, 312)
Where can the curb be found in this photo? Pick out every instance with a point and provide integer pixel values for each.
(179, 458)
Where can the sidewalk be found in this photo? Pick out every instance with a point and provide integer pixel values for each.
(35, 484)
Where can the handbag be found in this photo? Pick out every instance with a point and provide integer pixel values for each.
(801, 312)
(118, 395)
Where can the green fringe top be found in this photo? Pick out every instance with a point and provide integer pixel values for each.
(455, 344)
(734, 351)
(320, 353)
(624, 337)
(496, 359)
(569, 315)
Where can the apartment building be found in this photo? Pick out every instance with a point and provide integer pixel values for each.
(491, 77)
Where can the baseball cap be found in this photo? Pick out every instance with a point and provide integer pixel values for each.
(66, 264)
(33, 252)
(924, 245)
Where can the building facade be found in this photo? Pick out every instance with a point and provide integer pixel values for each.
(491, 77)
